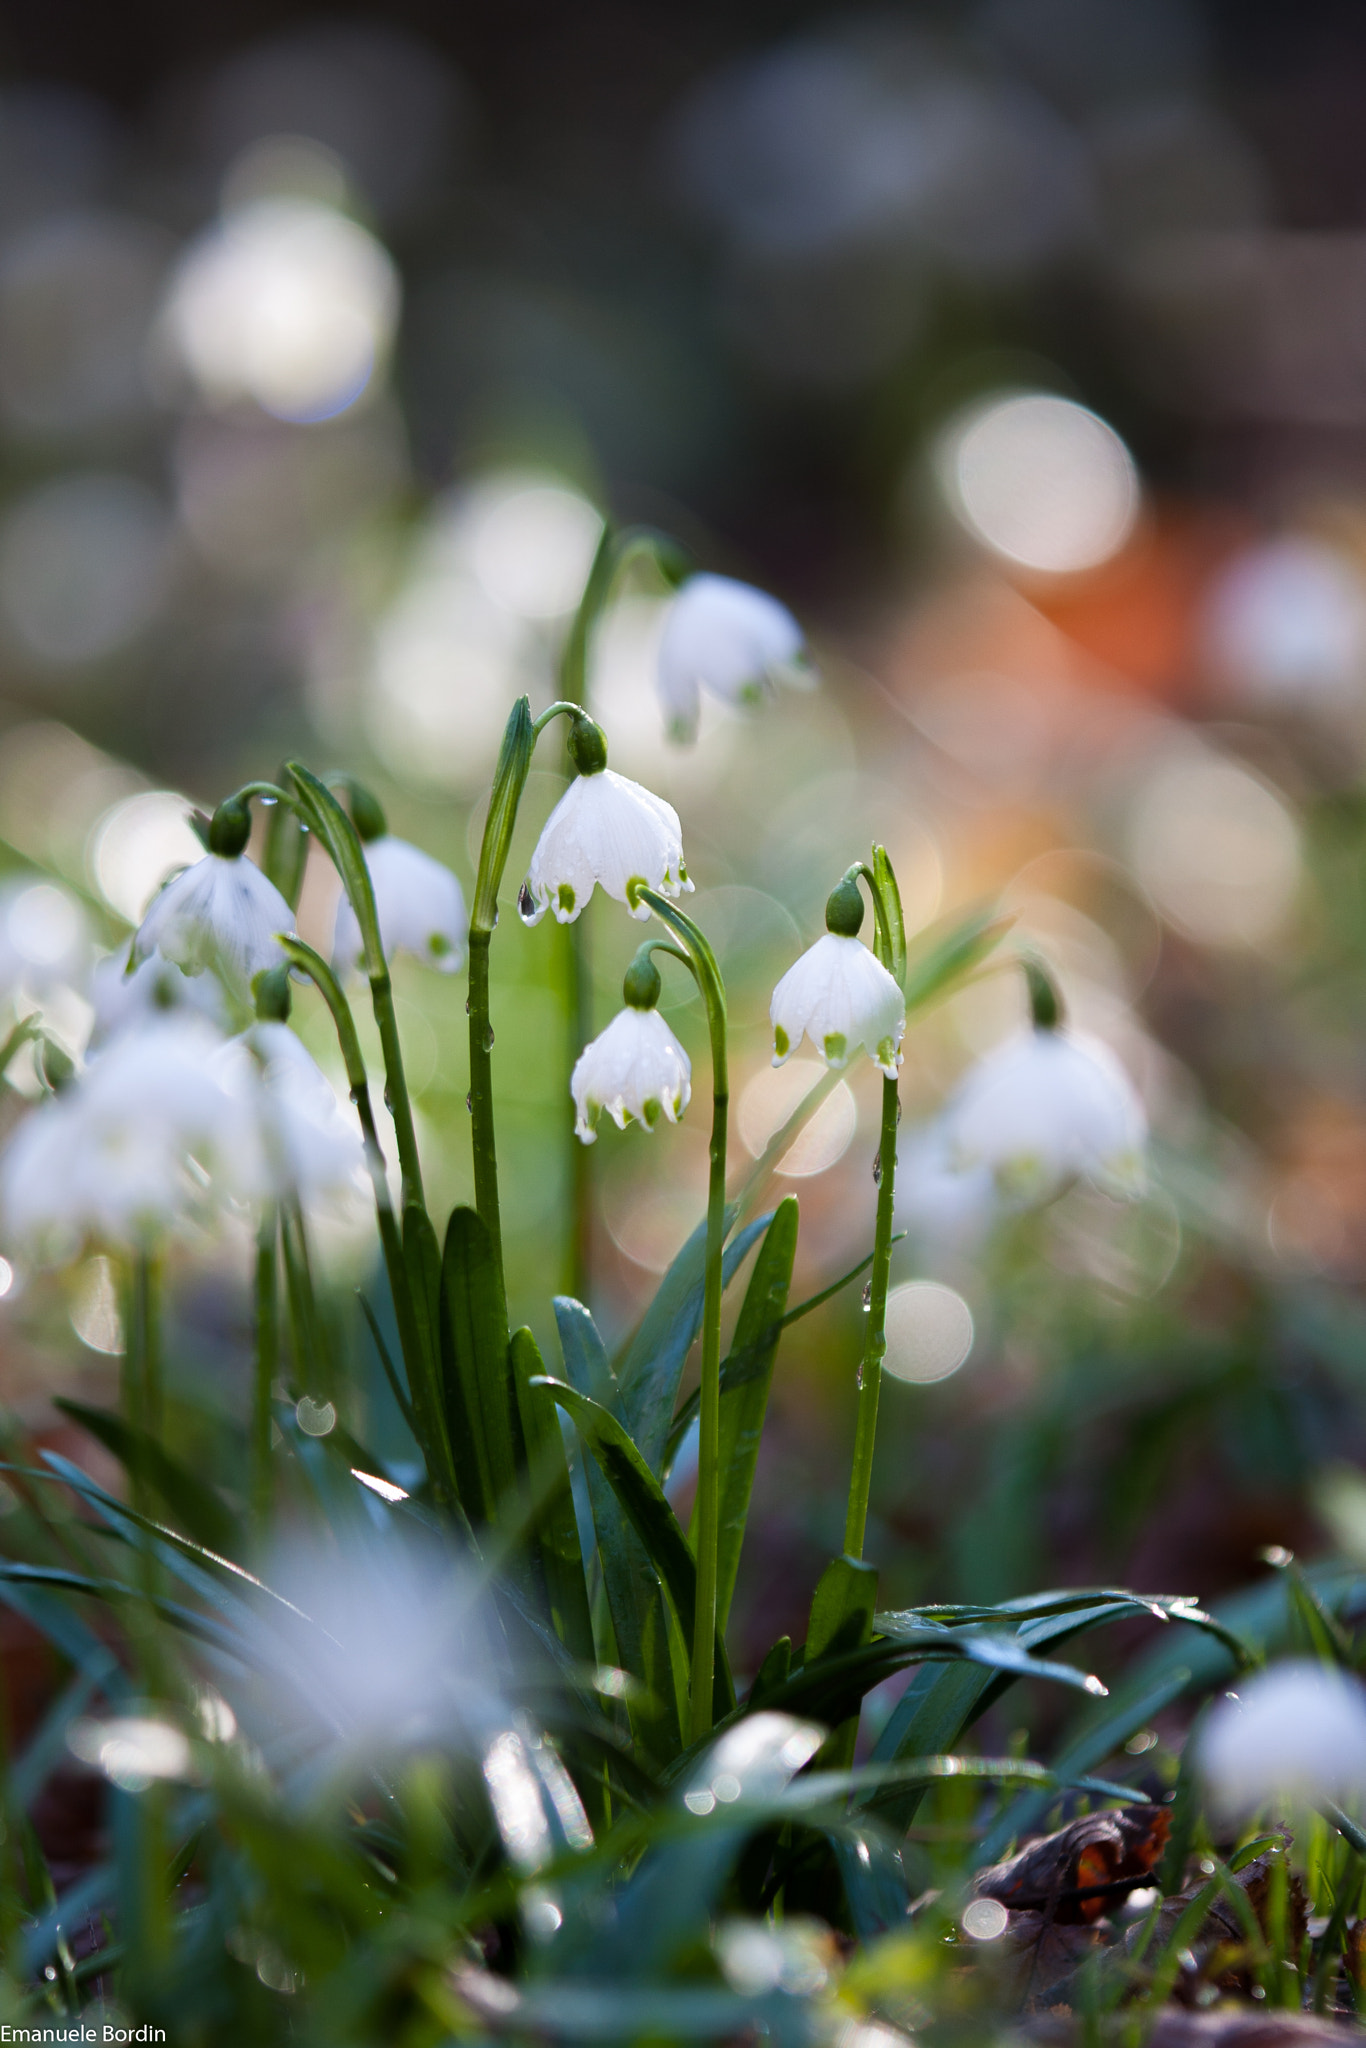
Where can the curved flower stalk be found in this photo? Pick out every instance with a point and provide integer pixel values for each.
(729, 638)
(605, 831)
(221, 913)
(1295, 1732)
(418, 901)
(1048, 1107)
(636, 1069)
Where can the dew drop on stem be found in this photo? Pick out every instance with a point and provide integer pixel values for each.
(877, 1171)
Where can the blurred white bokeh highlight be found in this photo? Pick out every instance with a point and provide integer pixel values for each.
(770, 1098)
(286, 303)
(1285, 626)
(1216, 848)
(1040, 481)
(85, 566)
(929, 1331)
(137, 844)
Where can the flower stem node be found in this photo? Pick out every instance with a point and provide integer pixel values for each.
(1045, 998)
(419, 904)
(840, 997)
(642, 986)
(636, 1070)
(230, 828)
(604, 831)
(588, 747)
(367, 813)
(844, 909)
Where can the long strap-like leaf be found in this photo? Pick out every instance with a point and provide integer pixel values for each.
(557, 1527)
(744, 1393)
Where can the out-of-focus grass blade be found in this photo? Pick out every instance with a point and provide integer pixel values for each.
(557, 1527)
(193, 1504)
(940, 961)
(475, 1365)
(744, 1402)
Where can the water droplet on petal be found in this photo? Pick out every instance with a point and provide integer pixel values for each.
(526, 903)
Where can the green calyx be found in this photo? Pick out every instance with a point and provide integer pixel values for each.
(367, 813)
(641, 987)
(1045, 1002)
(844, 909)
(587, 746)
(230, 828)
(272, 995)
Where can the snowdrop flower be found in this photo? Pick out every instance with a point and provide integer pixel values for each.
(1048, 1107)
(122, 995)
(128, 1150)
(296, 1141)
(636, 1069)
(221, 913)
(1296, 1732)
(603, 830)
(418, 901)
(839, 995)
(729, 638)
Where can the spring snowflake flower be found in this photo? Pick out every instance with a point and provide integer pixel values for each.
(636, 1070)
(295, 1140)
(604, 830)
(731, 639)
(137, 1145)
(420, 907)
(221, 913)
(122, 995)
(1296, 1732)
(839, 995)
(1048, 1107)
(944, 1208)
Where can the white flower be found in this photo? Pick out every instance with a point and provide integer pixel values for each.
(1296, 1732)
(943, 1207)
(419, 905)
(222, 914)
(729, 638)
(604, 830)
(295, 1138)
(126, 1151)
(635, 1070)
(1047, 1107)
(122, 997)
(842, 998)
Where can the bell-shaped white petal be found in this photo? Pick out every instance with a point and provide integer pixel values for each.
(636, 1070)
(842, 998)
(728, 638)
(295, 1139)
(419, 904)
(134, 1147)
(604, 831)
(122, 996)
(221, 914)
(1045, 1108)
(1296, 1732)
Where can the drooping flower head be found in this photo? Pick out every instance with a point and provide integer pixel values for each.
(294, 1139)
(1048, 1107)
(1294, 1733)
(839, 995)
(221, 913)
(418, 901)
(144, 1140)
(604, 831)
(731, 639)
(636, 1069)
(123, 995)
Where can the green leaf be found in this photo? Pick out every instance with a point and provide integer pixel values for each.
(635, 1594)
(650, 1515)
(744, 1394)
(557, 1525)
(943, 960)
(482, 1417)
(193, 1504)
(889, 900)
(841, 1619)
(649, 1372)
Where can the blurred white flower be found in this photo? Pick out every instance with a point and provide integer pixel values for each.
(604, 830)
(1047, 1107)
(221, 913)
(842, 998)
(124, 995)
(1286, 624)
(139, 1143)
(295, 1139)
(43, 937)
(728, 637)
(1296, 1732)
(636, 1070)
(420, 907)
(941, 1205)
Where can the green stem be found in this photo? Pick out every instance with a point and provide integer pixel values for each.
(304, 1329)
(579, 1017)
(702, 964)
(144, 1349)
(875, 1343)
(267, 1366)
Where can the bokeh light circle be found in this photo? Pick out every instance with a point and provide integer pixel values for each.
(1216, 849)
(929, 1332)
(1040, 480)
(137, 844)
